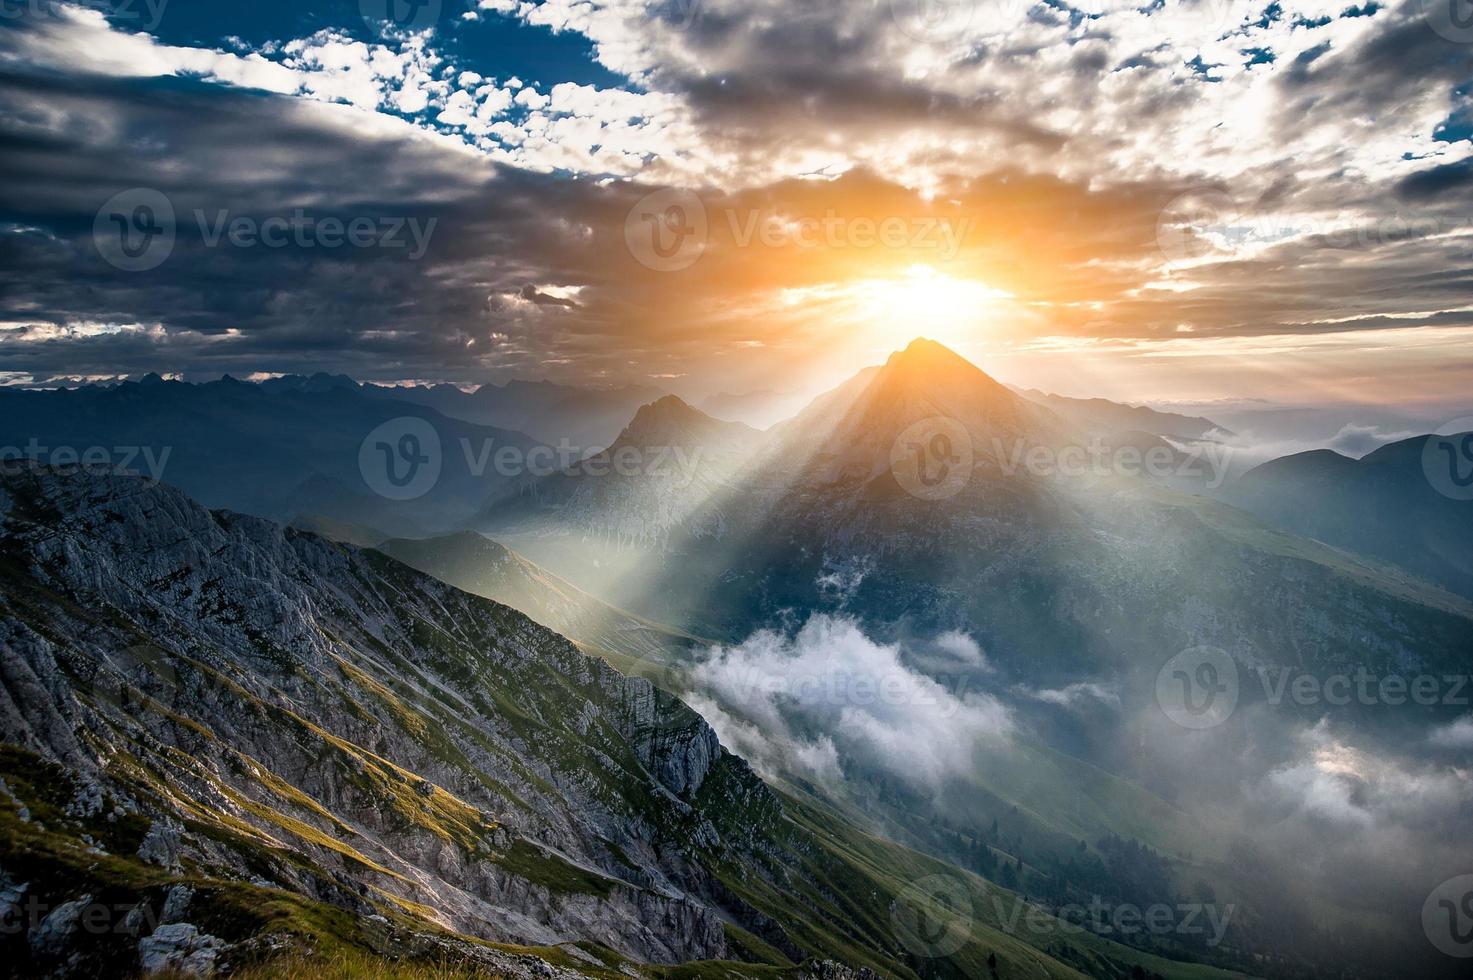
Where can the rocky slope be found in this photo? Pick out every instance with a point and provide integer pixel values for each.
(429, 746)
(321, 746)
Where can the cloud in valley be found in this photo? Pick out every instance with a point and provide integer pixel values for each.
(828, 698)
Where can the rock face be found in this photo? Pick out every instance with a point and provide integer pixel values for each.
(181, 947)
(250, 693)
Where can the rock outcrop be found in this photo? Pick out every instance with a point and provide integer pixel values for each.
(422, 748)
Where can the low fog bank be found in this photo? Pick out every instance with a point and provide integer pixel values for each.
(1326, 829)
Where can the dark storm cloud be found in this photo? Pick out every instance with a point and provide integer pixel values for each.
(227, 160)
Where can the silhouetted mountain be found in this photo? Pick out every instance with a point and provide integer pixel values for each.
(1103, 416)
(586, 418)
(670, 460)
(278, 449)
(1383, 506)
(1056, 576)
(850, 433)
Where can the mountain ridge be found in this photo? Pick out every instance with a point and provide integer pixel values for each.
(363, 755)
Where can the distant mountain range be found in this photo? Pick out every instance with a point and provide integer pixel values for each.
(921, 502)
(1100, 415)
(279, 449)
(1054, 575)
(1382, 505)
(588, 418)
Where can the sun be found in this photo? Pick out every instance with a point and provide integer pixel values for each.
(923, 301)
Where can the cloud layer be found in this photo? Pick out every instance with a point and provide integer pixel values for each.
(1165, 188)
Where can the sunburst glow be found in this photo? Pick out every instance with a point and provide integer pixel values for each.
(925, 301)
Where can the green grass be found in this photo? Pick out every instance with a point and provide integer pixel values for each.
(528, 861)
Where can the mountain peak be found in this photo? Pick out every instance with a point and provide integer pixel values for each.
(671, 406)
(670, 420)
(853, 429)
(924, 356)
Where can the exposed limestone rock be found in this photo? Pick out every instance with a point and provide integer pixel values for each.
(179, 946)
(162, 845)
(52, 936)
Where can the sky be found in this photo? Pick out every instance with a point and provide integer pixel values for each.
(1173, 201)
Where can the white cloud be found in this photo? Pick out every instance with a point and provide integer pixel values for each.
(1075, 693)
(1341, 783)
(961, 648)
(1458, 735)
(829, 698)
(1358, 440)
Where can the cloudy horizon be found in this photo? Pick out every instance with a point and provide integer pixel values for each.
(1183, 202)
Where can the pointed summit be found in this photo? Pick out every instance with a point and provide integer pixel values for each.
(671, 421)
(928, 362)
(852, 430)
(925, 347)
